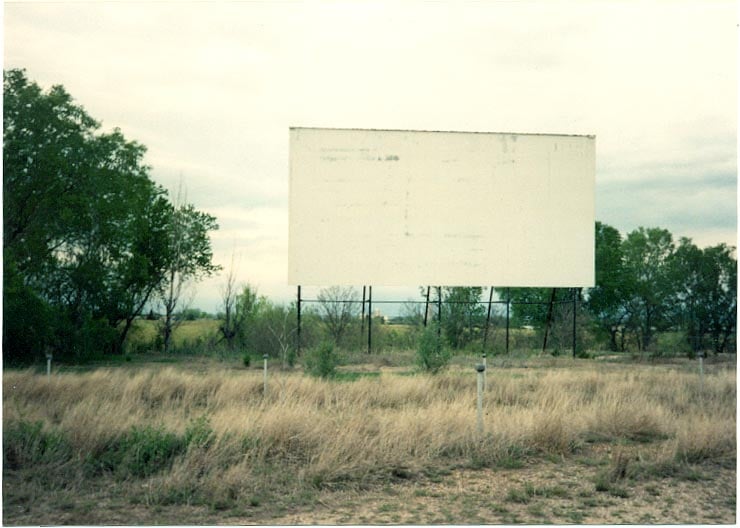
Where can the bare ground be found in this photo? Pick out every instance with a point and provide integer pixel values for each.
(555, 490)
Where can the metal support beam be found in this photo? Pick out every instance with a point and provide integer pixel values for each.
(549, 320)
(488, 321)
(370, 320)
(575, 306)
(439, 312)
(298, 329)
(426, 307)
(508, 311)
(362, 317)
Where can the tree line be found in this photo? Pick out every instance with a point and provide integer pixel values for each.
(90, 242)
(89, 239)
(645, 283)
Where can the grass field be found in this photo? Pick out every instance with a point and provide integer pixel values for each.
(566, 441)
(145, 331)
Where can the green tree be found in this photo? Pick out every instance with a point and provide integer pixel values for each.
(240, 306)
(704, 298)
(431, 355)
(274, 331)
(647, 283)
(89, 236)
(606, 300)
(189, 260)
(529, 306)
(27, 328)
(85, 227)
(720, 294)
(461, 314)
(338, 305)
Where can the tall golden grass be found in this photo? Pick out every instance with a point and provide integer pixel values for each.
(312, 432)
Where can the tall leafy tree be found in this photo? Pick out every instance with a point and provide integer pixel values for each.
(606, 300)
(686, 275)
(461, 313)
(190, 259)
(704, 297)
(646, 279)
(86, 229)
(720, 272)
(529, 305)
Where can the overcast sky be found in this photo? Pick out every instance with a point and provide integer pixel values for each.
(211, 89)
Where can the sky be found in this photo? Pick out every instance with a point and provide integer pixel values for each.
(211, 89)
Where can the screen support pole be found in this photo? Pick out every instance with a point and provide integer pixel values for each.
(370, 319)
(439, 312)
(508, 311)
(298, 328)
(426, 307)
(549, 320)
(488, 320)
(575, 305)
(362, 317)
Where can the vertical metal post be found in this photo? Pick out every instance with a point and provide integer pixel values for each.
(426, 307)
(370, 320)
(508, 306)
(362, 317)
(549, 320)
(481, 369)
(485, 370)
(575, 305)
(488, 320)
(298, 330)
(264, 389)
(439, 312)
(48, 365)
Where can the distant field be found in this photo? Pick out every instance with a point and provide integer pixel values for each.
(566, 441)
(145, 331)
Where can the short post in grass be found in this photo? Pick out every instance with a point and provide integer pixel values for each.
(481, 369)
(485, 369)
(264, 390)
(48, 364)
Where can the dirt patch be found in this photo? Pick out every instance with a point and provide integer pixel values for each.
(557, 493)
(560, 491)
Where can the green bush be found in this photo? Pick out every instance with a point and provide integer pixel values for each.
(199, 433)
(247, 359)
(26, 443)
(671, 344)
(141, 452)
(290, 357)
(431, 356)
(321, 361)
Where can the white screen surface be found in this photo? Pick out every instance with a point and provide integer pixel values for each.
(402, 208)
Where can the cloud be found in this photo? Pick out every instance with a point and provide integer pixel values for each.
(211, 89)
(706, 204)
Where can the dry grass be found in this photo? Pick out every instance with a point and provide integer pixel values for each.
(308, 434)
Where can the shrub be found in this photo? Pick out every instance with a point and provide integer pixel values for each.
(26, 443)
(141, 452)
(431, 356)
(321, 361)
(247, 359)
(150, 449)
(199, 433)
